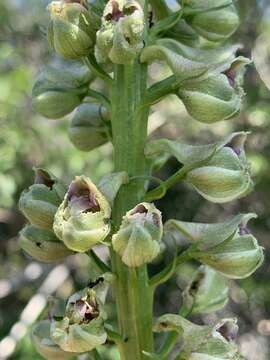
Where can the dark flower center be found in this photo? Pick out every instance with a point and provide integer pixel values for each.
(228, 331)
(231, 75)
(81, 199)
(42, 177)
(117, 14)
(243, 230)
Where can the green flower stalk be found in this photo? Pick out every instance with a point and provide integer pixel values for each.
(138, 239)
(39, 203)
(83, 218)
(82, 327)
(120, 38)
(42, 244)
(87, 130)
(60, 88)
(72, 29)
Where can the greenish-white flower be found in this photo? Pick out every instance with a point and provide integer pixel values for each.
(82, 327)
(83, 218)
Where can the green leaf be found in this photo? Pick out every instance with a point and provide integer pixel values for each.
(166, 24)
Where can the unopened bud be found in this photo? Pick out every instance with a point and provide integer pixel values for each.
(60, 88)
(83, 218)
(87, 131)
(72, 29)
(138, 239)
(213, 20)
(39, 203)
(217, 97)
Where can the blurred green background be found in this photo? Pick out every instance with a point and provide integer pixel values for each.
(27, 140)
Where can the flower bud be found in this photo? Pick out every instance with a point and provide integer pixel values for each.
(42, 244)
(40, 202)
(219, 172)
(60, 88)
(202, 342)
(138, 239)
(226, 176)
(217, 97)
(207, 292)
(87, 130)
(83, 218)
(213, 20)
(120, 38)
(82, 327)
(72, 29)
(44, 345)
(228, 247)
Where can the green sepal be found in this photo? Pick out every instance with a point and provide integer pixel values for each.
(164, 25)
(187, 62)
(44, 344)
(40, 201)
(205, 236)
(60, 88)
(207, 291)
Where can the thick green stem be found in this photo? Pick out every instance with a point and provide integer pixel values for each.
(134, 297)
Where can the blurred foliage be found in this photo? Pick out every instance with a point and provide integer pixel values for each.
(27, 140)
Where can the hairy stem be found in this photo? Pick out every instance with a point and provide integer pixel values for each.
(134, 297)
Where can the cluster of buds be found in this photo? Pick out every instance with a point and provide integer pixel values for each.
(60, 88)
(79, 329)
(120, 38)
